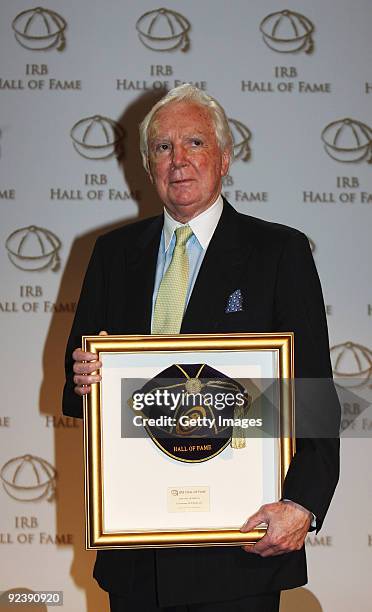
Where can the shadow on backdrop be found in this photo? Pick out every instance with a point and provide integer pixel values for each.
(68, 432)
(297, 600)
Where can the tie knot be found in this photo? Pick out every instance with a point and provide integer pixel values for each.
(182, 235)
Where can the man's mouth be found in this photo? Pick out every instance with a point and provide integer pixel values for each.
(180, 181)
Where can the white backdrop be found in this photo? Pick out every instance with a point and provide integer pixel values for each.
(75, 80)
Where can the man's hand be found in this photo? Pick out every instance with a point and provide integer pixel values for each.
(288, 524)
(84, 364)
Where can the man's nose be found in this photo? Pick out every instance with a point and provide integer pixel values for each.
(179, 155)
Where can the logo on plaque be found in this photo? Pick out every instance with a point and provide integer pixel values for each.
(207, 413)
(40, 29)
(34, 249)
(97, 137)
(352, 362)
(29, 478)
(288, 32)
(164, 30)
(241, 136)
(348, 140)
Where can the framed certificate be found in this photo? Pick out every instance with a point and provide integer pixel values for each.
(185, 437)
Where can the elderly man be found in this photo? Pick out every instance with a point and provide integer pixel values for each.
(176, 273)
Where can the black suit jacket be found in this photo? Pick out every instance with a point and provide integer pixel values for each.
(273, 267)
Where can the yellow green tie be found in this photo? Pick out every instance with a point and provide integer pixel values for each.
(171, 298)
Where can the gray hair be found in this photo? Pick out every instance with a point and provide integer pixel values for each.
(188, 93)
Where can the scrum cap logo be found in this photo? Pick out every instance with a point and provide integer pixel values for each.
(352, 362)
(187, 436)
(33, 249)
(288, 32)
(241, 136)
(164, 30)
(97, 137)
(348, 140)
(40, 29)
(29, 478)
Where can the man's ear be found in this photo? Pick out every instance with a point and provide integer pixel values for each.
(226, 159)
(149, 173)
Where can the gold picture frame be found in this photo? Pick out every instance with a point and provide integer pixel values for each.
(100, 462)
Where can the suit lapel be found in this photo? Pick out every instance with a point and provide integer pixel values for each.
(141, 269)
(219, 275)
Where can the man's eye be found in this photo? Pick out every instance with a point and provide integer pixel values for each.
(163, 146)
(196, 142)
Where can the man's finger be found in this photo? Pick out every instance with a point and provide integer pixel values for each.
(264, 547)
(257, 548)
(80, 355)
(86, 367)
(79, 390)
(84, 379)
(253, 521)
(249, 548)
(103, 333)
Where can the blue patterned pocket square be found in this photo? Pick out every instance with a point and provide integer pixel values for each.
(235, 302)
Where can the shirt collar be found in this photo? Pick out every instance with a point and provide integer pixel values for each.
(202, 225)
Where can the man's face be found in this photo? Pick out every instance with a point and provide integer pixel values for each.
(186, 162)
